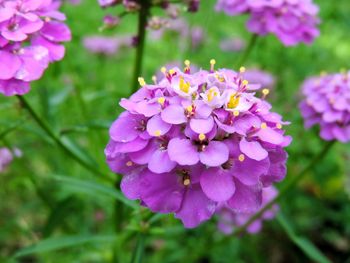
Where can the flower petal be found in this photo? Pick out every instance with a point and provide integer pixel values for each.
(157, 127)
(217, 184)
(160, 162)
(174, 114)
(253, 149)
(202, 125)
(215, 154)
(196, 207)
(182, 151)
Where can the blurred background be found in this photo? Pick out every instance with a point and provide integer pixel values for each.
(49, 200)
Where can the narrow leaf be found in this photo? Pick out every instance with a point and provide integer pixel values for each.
(53, 244)
(94, 188)
(303, 243)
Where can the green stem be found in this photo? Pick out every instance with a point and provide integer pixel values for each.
(248, 50)
(139, 249)
(141, 37)
(57, 139)
(289, 185)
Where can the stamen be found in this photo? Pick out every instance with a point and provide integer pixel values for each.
(154, 79)
(265, 92)
(245, 82)
(171, 71)
(242, 69)
(189, 109)
(141, 81)
(161, 100)
(184, 86)
(163, 70)
(157, 133)
(233, 103)
(202, 137)
(278, 125)
(129, 163)
(212, 65)
(187, 63)
(263, 125)
(236, 113)
(186, 181)
(241, 157)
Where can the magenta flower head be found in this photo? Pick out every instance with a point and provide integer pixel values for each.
(191, 141)
(230, 219)
(327, 103)
(291, 21)
(31, 33)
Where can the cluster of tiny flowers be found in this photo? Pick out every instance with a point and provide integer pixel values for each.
(7, 156)
(134, 5)
(172, 11)
(190, 142)
(327, 103)
(31, 32)
(229, 219)
(292, 21)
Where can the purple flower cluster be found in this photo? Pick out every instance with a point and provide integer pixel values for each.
(327, 103)
(31, 32)
(230, 219)
(5, 158)
(190, 142)
(292, 21)
(106, 45)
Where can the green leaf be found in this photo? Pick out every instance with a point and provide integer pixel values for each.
(77, 150)
(94, 188)
(303, 243)
(53, 244)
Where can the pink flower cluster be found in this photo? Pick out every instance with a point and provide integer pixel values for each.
(327, 103)
(229, 219)
(31, 32)
(292, 21)
(191, 142)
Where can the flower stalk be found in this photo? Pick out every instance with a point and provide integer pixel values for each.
(248, 50)
(141, 37)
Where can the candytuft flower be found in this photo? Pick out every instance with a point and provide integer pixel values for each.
(31, 33)
(191, 141)
(327, 103)
(291, 21)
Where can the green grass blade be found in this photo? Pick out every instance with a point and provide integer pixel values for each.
(303, 243)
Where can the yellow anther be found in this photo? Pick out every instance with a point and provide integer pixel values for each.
(129, 163)
(212, 62)
(189, 108)
(47, 19)
(278, 125)
(161, 100)
(233, 103)
(245, 82)
(186, 181)
(157, 133)
(171, 71)
(202, 137)
(323, 73)
(236, 113)
(184, 86)
(187, 63)
(154, 79)
(142, 81)
(163, 69)
(263, 125)
(241, 157)
(265, 92)
(242, 69)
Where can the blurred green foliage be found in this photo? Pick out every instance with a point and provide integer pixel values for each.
(49, 200)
